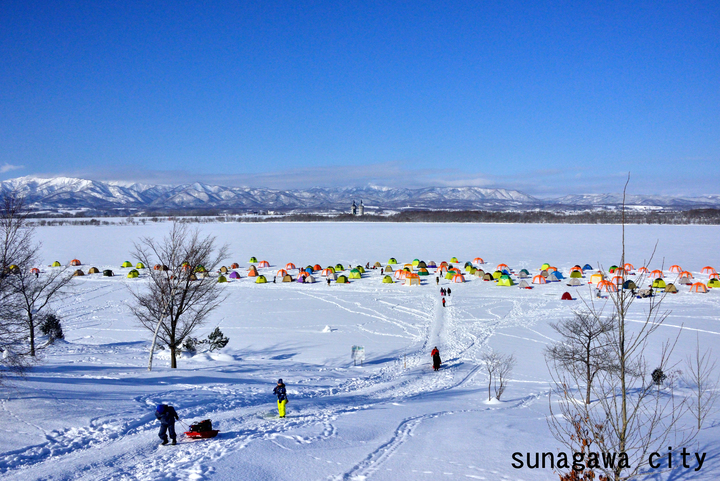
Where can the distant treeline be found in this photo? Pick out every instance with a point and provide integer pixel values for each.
(696, 216)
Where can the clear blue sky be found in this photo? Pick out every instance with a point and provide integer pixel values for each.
(545, 97)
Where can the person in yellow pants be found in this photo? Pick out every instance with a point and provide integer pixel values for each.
(281, 394)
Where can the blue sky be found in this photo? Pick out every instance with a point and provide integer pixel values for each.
(545, 97)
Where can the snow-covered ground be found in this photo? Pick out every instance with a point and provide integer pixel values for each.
(86, 410)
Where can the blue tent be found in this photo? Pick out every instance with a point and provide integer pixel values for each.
(587, 267)
(559, 275)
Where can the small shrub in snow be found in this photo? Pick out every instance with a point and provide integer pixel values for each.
(51, 328)
(658, 377)
(217, 340)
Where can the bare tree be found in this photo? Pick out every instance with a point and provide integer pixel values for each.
(702, 379)
(632, 418)
(498, 368)
(180, 294)
(16, 253)
(584, 348)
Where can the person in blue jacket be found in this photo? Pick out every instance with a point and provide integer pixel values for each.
(167, 417)
(281, 394)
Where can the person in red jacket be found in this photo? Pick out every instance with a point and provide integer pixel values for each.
(436, 358)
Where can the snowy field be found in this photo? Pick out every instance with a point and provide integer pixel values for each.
(86, 410)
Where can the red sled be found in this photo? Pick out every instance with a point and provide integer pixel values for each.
(202, 434)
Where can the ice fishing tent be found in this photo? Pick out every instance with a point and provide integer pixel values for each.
(287, 278)
(94, 270)
(342, 280)
(377, 264)
(75, 262)
(707, 270)
(327, 272)
(444, 264)
(300, 279)
(281, 273)
(159, 267)
(423, 272)
(303, 274)
(432, 265)
(422, 265)
(658, 284)
(222, 279)
(339, 267)
(126, 264)
(415, 262)
(676, 269)
(260, 280)
(317, 267)
(449, 275)
(544, 273)
(684, 280)
(538, 279)
(400, 274)
(56, 264)
(566, 297)
(713, 283)
(596, 278)
(544, 267)
(488, 277)
(252, 272)
(478, 260)
(617, 280)
(388, 269)
(253, 260)
(627, 267)
(34, 270)
(574, 282)
(392, 260)
(361, 269)
(235, 265)
(412, 281)
(139, 265)
(686, 274)
(289, 266)
(576, 275)
(387, 280)
(108, 273)
(263, 264)
(524, 285)
(552, 277)
(223, 269)
(497, 274)
(501, 267)
(671, 289)
(355, 274)
(234, 275)
(523, 274)
(656, 274)
(78, 273)
(454, 259)
(505, 281)
(698, 287)
(479, 273)
(458, 278)
(587, 267)
(309, 280)
(559, 275)
(606, 286)
(643, 270)
(629, 285)
(133, 274)
(471, 270)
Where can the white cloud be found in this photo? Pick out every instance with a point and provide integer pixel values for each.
(9, 167)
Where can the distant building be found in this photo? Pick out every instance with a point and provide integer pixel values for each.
(353, 209)
(361, 209)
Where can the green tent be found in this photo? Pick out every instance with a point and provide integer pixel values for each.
(497, 274)
(260, 280)
(423, 272)
(253, 259)
(454, 259)
(450, 274)
(387, 280)
(108, 273)
(544, 267)
(139, 265)
(56, 264)
(355, 274)
(505, 281)
(392, 260)
(422, 264)
(222, 279)
(133, 274)
(415, 262)
(361, 269)
(126, 264)
(339, 268)
(658, 284)
(342, 280)
(330, 268)
(576, 275)
(201, 269)
(713, 283)
(469, 269)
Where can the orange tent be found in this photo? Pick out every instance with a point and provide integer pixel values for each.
(656, 274)
(264, 264)
(707, 270)
(34, 270)
(629, 267)
(443, 264)
(303, 274)
(441, 269)
(551, 269)
(327, 272)
(501, 267)
(289, 266)
(252, 273)
(234, 266)
(620, 271)
(607, 286)
(400, 274)
(455, 269)
(714, 275)
(74, 262)
(643, 270)
(458, 278)
(538, 279)
(478, 260)
(698, 287)
(317, 267)
(281, 273)
(617, 280)
(676, 268)
(686, 274)
(576, 268)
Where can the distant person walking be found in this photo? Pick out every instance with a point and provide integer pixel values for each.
(448, 291)
(436, 358)
(442, 291)
(281, 394)
(167, 417)
(437, 281)
(443, 301)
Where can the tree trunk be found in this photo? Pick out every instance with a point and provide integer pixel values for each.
(31, 324)
(173, 360)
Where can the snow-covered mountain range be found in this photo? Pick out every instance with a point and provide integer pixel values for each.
(65, 193)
